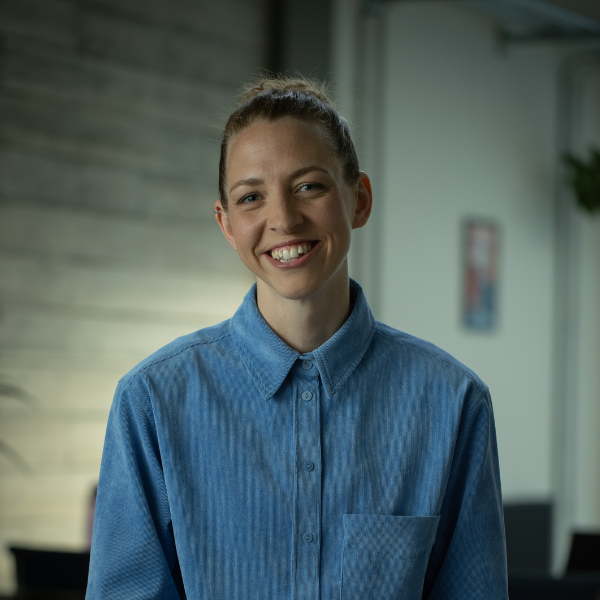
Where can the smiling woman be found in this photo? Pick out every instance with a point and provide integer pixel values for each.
(300, 449)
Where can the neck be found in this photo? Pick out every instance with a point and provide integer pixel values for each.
(307, 323)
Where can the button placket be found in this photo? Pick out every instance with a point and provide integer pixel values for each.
(308, 483)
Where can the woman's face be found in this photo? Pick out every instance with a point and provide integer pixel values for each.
(290, 211)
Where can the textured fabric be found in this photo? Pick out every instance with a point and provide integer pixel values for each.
(235, 468)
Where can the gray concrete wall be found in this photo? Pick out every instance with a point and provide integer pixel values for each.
(109, 115)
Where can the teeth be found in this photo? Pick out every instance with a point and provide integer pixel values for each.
(291, 252)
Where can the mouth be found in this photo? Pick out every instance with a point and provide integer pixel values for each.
(285, 254)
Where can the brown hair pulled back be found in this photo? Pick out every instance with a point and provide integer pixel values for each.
(273, 98)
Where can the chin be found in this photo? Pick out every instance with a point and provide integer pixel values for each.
(300, 288)
(294, 292)
(303, 283)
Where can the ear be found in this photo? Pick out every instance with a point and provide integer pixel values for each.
(364, 201)
(224, 223)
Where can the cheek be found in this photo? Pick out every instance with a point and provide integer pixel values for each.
(336, 219)
(247, 234)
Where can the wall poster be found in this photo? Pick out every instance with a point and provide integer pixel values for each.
(480, 280)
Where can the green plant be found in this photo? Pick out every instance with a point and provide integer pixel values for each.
(584, 178)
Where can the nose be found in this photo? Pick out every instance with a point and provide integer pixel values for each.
(284, 216)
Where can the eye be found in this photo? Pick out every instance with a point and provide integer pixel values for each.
(248, 199)
(310, 187)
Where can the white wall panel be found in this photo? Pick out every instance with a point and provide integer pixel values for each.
(66, 393)
(48, 20)
(236, 20)
(150, 291)
(48, 179)
(145, 243)
(153, 46)
(585, 401)
(168, 148)
(40, 67)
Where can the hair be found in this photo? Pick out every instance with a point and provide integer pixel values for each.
(271, 98)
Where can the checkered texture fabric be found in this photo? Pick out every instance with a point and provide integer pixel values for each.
(385, 556)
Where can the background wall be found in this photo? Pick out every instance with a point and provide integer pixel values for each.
(109, 114)
(585, 402)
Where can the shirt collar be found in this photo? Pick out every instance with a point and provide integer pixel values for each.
(269, 359)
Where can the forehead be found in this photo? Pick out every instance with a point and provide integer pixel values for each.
(280, 145)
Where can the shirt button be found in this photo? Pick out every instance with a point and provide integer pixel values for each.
(306, 396)
(310, 466)
(307, 364)
(308, 537)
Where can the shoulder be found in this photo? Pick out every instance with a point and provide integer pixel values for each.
(425, 358)
(180, 351)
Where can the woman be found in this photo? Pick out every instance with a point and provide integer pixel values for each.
(300, 449)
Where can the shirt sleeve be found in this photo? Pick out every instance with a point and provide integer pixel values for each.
(468, 560)
(133, 549)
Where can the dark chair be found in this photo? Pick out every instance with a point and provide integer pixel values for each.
(51, 575)
(585, 554)
(528, 548)
(528, 528)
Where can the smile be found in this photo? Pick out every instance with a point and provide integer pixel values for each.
(284, 254)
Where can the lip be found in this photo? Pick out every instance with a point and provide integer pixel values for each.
(296, 262)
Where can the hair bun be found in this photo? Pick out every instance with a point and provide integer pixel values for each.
(283, 85)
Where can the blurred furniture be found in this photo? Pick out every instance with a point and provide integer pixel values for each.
(545, 587)
(50, 575)
(528, 528)
(528, 548)
(585, 554)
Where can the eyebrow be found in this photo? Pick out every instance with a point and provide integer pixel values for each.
(254, 181)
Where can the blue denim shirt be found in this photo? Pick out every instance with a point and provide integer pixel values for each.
(235, 468)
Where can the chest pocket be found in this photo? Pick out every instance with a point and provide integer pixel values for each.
(385, 557)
